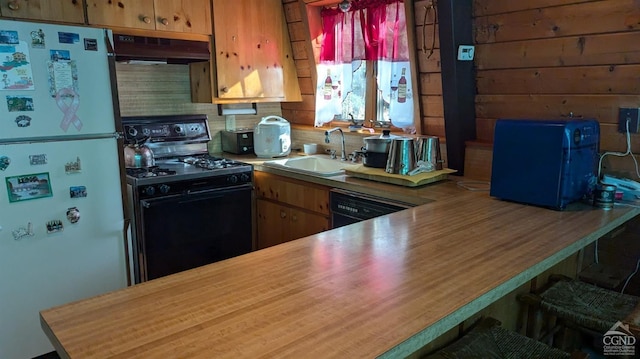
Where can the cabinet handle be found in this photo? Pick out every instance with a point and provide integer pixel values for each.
(146, 19)
(13, 5)
(224, 89)
(164, 21)
(283, 214)
(294, 218)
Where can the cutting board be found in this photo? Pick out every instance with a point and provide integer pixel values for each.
(379, 175)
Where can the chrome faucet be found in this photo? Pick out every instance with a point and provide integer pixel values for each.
(343, 156)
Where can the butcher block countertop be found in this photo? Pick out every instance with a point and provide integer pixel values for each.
(379, 288)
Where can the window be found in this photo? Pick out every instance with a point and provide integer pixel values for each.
(363, 68)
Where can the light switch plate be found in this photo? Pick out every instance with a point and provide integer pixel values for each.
(465, 52)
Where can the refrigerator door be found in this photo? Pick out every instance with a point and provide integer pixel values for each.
(54, 80)
(62, 234)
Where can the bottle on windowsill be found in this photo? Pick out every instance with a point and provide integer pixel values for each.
(328, 86)
(402, 88)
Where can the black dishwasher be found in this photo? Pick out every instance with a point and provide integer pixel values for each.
(349, 207)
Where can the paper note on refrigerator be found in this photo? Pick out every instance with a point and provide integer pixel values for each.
(15, 66)
(62, 75)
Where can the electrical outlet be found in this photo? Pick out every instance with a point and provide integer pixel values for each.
(633, 116)
(230, 122)
(465, 52)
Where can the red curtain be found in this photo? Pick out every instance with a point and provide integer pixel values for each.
(370, 30)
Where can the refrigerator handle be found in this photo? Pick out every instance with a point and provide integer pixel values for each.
(125, 235)
(111, 60)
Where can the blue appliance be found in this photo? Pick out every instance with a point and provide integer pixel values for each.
(548, 163)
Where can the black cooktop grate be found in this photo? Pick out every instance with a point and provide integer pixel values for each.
(153, 171)
(210, 162)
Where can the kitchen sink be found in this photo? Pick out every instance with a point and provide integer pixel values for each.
(317, 165)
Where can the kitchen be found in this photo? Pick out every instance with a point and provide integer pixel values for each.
(160, 90)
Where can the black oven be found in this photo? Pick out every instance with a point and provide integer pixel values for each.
(193, 227)
(186, 224)
(349, 207)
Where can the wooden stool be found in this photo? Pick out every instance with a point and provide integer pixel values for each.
(488, 340)
(578, 305)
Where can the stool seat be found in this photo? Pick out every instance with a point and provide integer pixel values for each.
(586, 305)
(487, 340)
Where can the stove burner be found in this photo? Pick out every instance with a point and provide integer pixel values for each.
(209, 162)
(149, 172)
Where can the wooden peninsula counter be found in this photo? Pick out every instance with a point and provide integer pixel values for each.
(379, 288)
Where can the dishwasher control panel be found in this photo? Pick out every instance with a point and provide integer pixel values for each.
(359, 207)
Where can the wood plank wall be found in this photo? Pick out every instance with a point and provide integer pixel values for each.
(300, 112)
(303, 43)
(554, 58)
(427, 37)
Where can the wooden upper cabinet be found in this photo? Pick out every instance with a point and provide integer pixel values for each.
(184, 15)
(191, 16)
(71, 11)
(137, 14)
(253, 58)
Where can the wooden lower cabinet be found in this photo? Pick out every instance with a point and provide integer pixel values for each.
(289, 209)
(278, 223)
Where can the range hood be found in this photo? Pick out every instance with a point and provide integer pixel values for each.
(171, 51)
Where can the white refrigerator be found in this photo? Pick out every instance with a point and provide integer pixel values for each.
(62, 222)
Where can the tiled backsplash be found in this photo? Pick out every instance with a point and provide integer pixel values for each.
(165, 90)
(353, 141)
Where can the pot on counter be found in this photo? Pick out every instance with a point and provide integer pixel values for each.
(376, 149)
(402, 156)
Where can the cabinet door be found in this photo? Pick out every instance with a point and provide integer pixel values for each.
(249, 42)
(273, 224)
(184, 15)
(280, 223)
(301, 194)
(137, 14)
(302, 224)
(49, 10)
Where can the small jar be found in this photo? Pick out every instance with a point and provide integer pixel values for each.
(604, 196)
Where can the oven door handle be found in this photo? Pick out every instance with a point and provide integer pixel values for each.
(192, 196)
(148, 203)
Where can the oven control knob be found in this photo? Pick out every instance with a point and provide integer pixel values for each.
(245, 177)
(164, 188)
(132, 131)
(233, 179)
(149, 190)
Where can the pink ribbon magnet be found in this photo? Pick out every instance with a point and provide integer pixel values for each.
(69, 108)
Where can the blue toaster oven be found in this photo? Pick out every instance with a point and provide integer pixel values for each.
(548, 163)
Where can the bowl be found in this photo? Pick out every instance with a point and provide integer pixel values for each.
(310, 148)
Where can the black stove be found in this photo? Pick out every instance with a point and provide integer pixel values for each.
(191, 208)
